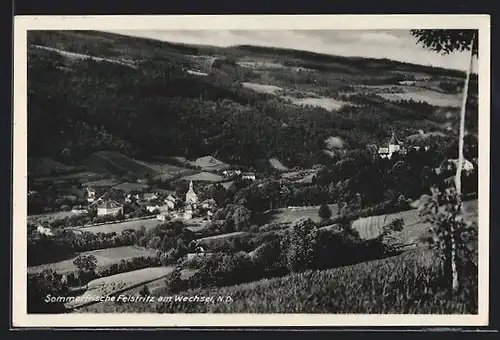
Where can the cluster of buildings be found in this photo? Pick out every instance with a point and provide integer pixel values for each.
(238, 173)
(165, 205)
(396, 147)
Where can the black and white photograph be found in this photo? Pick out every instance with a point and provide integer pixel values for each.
(268, 172)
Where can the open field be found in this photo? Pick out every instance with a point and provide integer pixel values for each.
(49, 217)
(44, 166)
(260, 64)
(108, 285)
(370, 227)
(204, 177)
(107, 182)
(209, 163)
(114, 163)
(428, 96)
(78, 56)
(329, 104)
(155, 286)
(84, 176)
(222, 236)
(119, 227)
(105, 258)
(292, 214)
(128, 187)
(270, 89)
(276, 164)
(166, 171)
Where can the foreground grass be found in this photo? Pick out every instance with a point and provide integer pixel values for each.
(410, 283)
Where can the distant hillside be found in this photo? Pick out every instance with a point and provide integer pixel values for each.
(114, 163)
(135, 96)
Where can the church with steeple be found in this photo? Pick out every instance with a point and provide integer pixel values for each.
(191, 202)
(191, 196)
(395, 146)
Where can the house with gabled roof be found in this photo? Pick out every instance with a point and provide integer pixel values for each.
(109, 208)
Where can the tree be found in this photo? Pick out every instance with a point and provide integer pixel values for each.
(144, 291)
(450, 233)
(324, 212)
(241, 217)
(86, 264)
(298, 245)
(449, 41)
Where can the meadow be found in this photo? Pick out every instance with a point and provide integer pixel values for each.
(166, 171)
(270, 89)
(370, 227)
(114, 284)
(49, 217)
(105, 258)
(119, 227)
(209, 163)
(292, 214)
(115, 163)
(409, 283)
(83, 176)
(431, 97)
(204, 177)
(329, 104)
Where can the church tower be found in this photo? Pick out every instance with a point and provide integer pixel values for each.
(394, 145)
(191, 197)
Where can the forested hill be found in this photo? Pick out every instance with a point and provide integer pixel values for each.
(92, 91)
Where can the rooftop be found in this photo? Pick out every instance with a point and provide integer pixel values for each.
(109, 205)
(394, 140)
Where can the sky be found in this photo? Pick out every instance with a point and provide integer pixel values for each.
(397, 45)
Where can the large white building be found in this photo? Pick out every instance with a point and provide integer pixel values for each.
(109, 208)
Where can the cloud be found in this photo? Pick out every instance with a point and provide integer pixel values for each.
(378, 37)
(390, 44)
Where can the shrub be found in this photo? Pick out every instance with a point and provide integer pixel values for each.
(324, 212)
(144, 291)
(298, 244)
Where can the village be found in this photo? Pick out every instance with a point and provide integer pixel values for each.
(110, 201)
(102, 202)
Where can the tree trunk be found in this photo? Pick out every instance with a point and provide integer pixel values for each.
(454, 270)
(458, 175)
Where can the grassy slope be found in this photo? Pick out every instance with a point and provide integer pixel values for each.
(408, 283)
(105, 258)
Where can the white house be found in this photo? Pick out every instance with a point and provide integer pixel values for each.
(90, 194)
(230, 173)
(162, 217)
(109, 208)
(188, 212)
(248, 175)
(161, 208)
(170, 202)
(149, 196)
(79, 210)
(466, 165)
(44, 230)
(129, 198)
